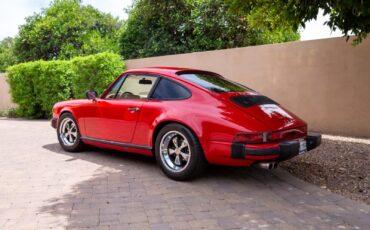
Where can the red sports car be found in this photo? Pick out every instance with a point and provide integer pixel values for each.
(186, 118)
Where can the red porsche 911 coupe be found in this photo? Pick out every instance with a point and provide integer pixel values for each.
(186, 118)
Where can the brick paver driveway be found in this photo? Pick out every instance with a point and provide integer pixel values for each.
(44, 187)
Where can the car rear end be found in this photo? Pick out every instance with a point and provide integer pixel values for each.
(286, 135)
(256, 129)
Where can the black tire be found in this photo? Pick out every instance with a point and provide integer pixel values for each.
(196, 162)
(77, 145)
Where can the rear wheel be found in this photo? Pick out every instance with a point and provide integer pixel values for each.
(179, 153)
(68, 133)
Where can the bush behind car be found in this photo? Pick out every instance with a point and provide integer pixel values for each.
(37, 86)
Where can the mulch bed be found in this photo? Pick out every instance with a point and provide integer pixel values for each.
(338, 165)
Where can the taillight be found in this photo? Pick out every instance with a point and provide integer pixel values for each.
(290, 134)
(252, 138)
(303, 129)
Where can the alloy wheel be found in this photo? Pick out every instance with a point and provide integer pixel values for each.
(175, 151)
(68, 132)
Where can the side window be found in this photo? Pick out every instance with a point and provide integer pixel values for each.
(136, 87)
(167, 89)
(113, 91)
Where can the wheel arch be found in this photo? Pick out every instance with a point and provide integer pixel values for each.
(162, 124)
(64, 111)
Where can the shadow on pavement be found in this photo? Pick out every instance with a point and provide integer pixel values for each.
(129, 190)
(113, 158)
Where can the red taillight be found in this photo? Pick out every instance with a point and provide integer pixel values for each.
(303, 129)
(252, 138)
(265, 137)
(290, 134)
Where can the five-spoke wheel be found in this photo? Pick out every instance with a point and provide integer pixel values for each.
(68, 133)
(175, 151)
(178, 152)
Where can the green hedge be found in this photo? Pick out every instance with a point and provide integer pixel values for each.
(52, 84)
(37, 86)
(20, 79)
(95, 72)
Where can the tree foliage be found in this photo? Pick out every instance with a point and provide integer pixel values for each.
(160, 27)
(7, 57)
(64, 30)
(350, 16)
(155, 28)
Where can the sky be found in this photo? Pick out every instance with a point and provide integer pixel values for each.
(13, 13)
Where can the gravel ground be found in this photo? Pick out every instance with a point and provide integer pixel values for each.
(340, 165)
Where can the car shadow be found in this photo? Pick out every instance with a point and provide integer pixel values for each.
(136, 191)
(114, 158)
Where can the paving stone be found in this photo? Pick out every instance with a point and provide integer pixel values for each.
(120, 226)
(83, 221)
(204, 223)
(108, 219)
(180, 225)
(140, 226)
(134, 217)
(160, 226)
(44, 187)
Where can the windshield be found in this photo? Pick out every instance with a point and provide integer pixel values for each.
(213, 82)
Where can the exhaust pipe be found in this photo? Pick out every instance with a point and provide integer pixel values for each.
(267, 165)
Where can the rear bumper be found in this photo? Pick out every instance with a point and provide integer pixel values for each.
(275, 152)
(53, 123)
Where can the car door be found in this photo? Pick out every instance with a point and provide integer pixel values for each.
(163, 101)
(118, 114)
(92, 112)
(117, 119)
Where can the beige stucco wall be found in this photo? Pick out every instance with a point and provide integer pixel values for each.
(326, 82)
(5, 99)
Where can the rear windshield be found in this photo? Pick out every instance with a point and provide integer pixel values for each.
(213, 82)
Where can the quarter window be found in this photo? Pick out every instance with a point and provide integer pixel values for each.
(167, 90)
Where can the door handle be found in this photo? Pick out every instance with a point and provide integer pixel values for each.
(134, 109)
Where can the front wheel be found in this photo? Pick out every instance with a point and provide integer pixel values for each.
(68, 133)
(178, 152)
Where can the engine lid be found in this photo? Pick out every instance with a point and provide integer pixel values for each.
(265, 110)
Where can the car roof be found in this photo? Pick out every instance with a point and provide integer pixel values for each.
(170, 72)
(163, 70)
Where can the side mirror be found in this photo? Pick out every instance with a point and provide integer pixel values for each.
(91, 94)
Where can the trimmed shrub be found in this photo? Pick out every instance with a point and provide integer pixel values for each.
(37, 86)
(95, 72)
(53, 84)
(20, 78)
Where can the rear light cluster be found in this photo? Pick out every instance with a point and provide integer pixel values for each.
(253, 138)
(265, 137)
(290, 134)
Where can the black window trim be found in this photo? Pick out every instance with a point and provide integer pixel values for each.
(104, 94)
(119, 88)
